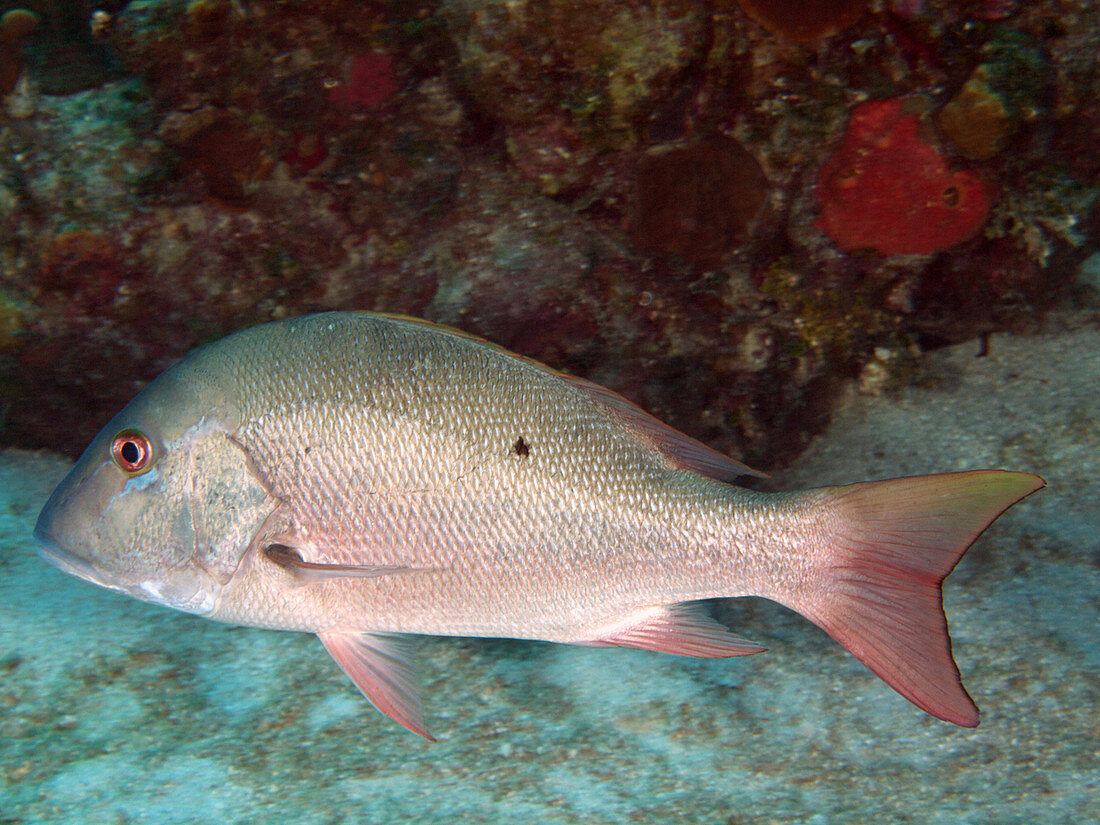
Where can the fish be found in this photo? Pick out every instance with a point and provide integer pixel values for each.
(369, 478)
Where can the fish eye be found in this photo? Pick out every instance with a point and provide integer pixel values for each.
(132, 451)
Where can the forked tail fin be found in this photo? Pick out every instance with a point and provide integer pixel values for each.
(891, 545)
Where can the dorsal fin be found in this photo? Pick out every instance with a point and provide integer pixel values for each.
(682, 450)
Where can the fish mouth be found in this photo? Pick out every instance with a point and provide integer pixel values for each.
(183, 594)
(50, 539)
(66, 562)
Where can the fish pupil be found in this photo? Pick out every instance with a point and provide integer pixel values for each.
(130, 452)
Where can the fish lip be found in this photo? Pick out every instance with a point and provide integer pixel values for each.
(66, 562)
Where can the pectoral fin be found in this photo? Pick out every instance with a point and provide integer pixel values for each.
(378, 667)
(682, 629)
(308, 572)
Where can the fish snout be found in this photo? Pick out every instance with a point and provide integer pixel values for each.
(50, 534)
(190, 589)
(56, 547)
(49, 544)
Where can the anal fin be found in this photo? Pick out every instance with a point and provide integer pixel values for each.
(684, 630)
(378, 667)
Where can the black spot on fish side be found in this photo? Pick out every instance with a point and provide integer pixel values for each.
(520, 448)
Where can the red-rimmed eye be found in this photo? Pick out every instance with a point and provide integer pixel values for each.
(132, 451)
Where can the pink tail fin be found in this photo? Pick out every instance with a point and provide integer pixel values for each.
(892, 544)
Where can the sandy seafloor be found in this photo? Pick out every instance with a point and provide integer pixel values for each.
(113, 711)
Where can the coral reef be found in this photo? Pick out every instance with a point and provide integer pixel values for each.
(63, 55)
(1001, 93)
(16, 26)
(804, 21)
(605, 63)
(698, 201)
(370, 82)
(976, 119)
(885, 188)
(725, 223)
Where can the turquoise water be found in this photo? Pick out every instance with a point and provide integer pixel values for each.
(114, 711)
(171, 170)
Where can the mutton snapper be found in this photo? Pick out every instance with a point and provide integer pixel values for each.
(362, 476)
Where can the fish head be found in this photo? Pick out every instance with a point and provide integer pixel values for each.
(164, 503)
